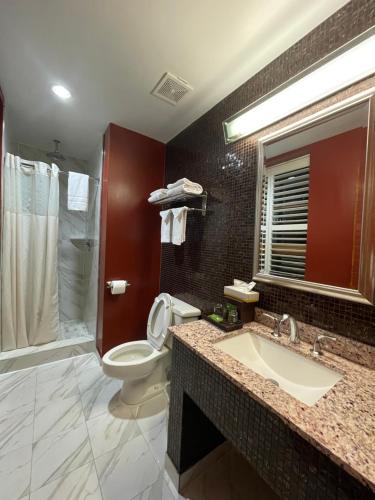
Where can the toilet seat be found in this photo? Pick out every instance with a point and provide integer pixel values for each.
(159, 319)
(132, 360)
(144, 365)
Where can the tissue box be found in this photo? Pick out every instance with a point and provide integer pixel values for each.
(242, 295)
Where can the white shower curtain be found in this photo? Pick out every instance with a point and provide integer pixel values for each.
(29, 285)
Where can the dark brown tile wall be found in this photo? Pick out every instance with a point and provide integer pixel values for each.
(219, 247)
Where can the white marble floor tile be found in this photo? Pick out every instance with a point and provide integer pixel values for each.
(170, 484)
(107, 431)
(56, 455)
(97, 391)
(127, 471)
(156, 438)
(153, 413)
(56, 417)
(158, 491)
(57, 389)
(85, 362)
(81, 484)
(16, 428)
(17, 389)
(56, 370)
(15, 469)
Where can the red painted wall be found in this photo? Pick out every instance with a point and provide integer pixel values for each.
(335, 208)
(133, 166)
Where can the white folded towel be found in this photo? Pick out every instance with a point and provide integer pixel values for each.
(166, 226)
(179, 225)
(158, 191)
(186, 182)
(78, 191)
(157, 195)
(185, 189)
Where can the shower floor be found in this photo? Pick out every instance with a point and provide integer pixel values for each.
(74, 339)
(72, 329)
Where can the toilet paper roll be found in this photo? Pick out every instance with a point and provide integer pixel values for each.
(118, 287)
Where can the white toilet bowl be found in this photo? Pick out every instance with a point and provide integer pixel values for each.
(143, 365)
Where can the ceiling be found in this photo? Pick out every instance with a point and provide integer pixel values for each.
(111, 53)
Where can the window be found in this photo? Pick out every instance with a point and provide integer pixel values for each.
(284, 218)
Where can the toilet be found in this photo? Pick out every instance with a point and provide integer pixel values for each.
(143, 365)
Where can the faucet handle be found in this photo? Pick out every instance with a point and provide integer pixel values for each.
(276, 332)
(316, 349)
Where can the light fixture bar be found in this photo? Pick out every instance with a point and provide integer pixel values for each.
(338, 72)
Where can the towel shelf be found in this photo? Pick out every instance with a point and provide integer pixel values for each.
(185, 197)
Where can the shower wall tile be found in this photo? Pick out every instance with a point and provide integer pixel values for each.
(71, 285)
(92, 256)
(219, 247)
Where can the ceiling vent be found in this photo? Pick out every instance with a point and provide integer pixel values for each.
(171, 88)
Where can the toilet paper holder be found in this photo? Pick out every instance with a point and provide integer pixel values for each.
(109, 284)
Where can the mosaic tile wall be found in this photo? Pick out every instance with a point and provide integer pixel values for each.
(291, 466)
(219, 247)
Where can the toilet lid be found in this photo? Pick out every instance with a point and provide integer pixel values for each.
(159, 319)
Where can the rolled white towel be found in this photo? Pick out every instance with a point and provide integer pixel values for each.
(158, 196)
(184, 181)
(185, 188)
(159, 191)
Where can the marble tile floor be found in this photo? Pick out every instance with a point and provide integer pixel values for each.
(64, 435)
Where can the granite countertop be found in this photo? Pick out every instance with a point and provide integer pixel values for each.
(341, 424)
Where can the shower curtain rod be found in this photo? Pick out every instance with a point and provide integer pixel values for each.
(31, 164)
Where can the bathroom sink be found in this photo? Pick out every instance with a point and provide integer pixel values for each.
(300, 377)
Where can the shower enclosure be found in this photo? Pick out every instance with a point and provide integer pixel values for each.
(73, 326)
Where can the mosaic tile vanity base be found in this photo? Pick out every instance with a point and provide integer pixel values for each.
(289, 464)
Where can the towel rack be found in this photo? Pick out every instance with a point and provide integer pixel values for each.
(185, 197)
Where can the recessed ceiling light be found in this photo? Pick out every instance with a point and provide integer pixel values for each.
(61, 92)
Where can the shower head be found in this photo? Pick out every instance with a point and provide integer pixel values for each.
(56, 155)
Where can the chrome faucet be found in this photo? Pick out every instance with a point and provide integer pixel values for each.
(294, 331)
(276, 330)
(316, 349)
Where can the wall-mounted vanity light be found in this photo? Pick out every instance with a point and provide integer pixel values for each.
(337, 71)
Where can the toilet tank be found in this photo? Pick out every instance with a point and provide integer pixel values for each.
(183, 312)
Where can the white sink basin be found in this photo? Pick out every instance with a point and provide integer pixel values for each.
(300, 377)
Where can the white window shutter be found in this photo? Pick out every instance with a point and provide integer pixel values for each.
(284, 218)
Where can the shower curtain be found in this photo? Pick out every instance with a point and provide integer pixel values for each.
(29, 286)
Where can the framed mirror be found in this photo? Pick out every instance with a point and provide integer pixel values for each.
(315, 219)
